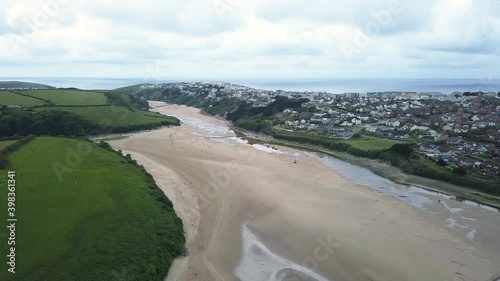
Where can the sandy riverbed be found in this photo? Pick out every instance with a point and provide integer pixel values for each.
(254, 214)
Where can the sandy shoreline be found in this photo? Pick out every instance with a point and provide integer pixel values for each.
(304, 212)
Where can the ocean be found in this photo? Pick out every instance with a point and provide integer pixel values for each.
(445, 86)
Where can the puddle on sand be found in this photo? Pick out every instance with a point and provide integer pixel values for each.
(260, 264)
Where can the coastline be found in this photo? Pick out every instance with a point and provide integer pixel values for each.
(382, 169)
(290, 207)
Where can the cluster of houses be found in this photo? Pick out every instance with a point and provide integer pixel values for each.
(465, 153)
(433, 119)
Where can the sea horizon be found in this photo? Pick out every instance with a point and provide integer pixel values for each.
(329, 85)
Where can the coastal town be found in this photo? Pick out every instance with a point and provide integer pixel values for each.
(459, 129)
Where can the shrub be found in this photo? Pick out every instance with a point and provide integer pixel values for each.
(441, 162)
(460, 171)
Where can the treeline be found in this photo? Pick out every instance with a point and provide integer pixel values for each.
(62, 123)
(262, 119)
(49, 122)
(174, 247)
(127, 101)
(4, 161)
(177, 97)
(280, 103)
(103, 129)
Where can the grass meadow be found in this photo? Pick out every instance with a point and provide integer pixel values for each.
(367, 143)
(102, 219)
(69, 97)
(10, 98)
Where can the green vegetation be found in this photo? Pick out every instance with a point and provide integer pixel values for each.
(367, 143)
(5, 143)
(460, 171)
(11, 98)
(24, 85)
(4, 161)
(87, 213)
(70, 112)
(114, 115)
(128, 101)
(362, 143)
(132, 89)
(401, 155)
(69, 97)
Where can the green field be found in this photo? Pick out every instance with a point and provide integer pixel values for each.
(71, 112)
(366, 143)
(114, 115)
(4, 144)
(103, 219)
(363, 143)
(69, 97)
(10, 98)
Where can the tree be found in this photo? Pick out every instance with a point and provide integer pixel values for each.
(403, 150)
(460, 171)
(441, 162)
(356, 136)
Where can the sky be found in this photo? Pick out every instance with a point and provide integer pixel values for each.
(169, 39)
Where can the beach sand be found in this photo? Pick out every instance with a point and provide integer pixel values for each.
(304, 213)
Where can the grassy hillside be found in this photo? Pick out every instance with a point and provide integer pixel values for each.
(367, 143)
(133, 88)
(10, 98)
(22, 85)
(104, 217)
(114, 115)
(69, 97)
(73, 112)
(363, 143)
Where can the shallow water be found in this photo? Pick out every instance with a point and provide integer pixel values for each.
(460, 216)
(260, 264)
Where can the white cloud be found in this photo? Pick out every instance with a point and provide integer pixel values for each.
(251, 38)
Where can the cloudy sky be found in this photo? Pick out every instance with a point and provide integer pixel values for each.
(166, 39)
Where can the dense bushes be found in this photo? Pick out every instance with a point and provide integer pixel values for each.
(48, 122)
(4, 162)
(127, 101)
(15, 146)
(403, 150)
